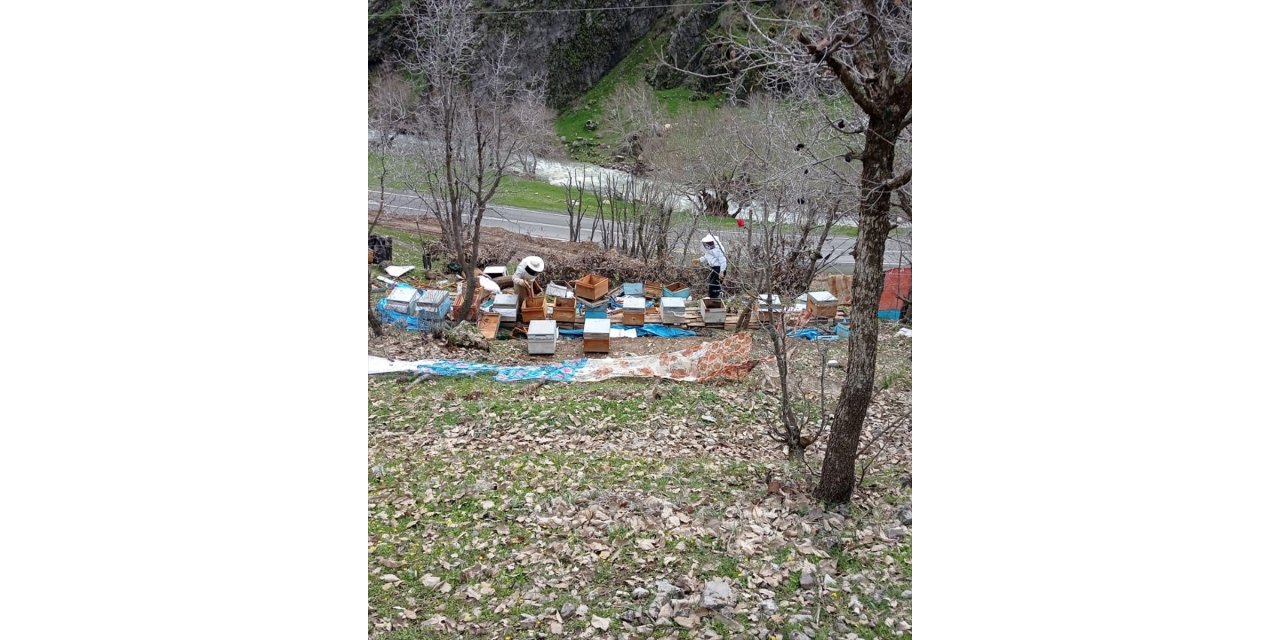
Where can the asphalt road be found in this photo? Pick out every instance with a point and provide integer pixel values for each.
(555, 226)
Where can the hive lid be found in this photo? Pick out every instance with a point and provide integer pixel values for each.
(434, 296)
(822, 296)
(542, 328)
(596, 325)
(632, 303)
(673, 302)
(505, 300)
(496, 269)
(764, 297)
(594, 304)
(402, 294)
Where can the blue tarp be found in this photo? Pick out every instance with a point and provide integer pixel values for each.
(561, 372)
(809, 333)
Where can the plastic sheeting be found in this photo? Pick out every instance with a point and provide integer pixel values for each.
(728, 359)
(809, 333)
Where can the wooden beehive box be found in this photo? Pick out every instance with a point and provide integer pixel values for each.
(565, 310)
(765, 310)
(822, 304)
(489, 322)
(633, 311)
(542, 337)
(712, 310)
(652, 290)
(675, 290)
(535, 308)
(595, 335)
(592, 287)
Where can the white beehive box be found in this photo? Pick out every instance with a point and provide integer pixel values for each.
(504, 304)
(672, 309)
(495, 271)
(403, 300)
(559, 290)
(595, 335)
(542, 337)
(433, 305)
(595, 328)
(712, 310)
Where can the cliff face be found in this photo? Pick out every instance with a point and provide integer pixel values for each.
(574, 48)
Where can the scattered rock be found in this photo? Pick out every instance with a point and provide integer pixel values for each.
(378, 471)
(666, 589)
(718, 593)
(806, 579)
(567, 609)
(799, 635)
(906, 594)
(687, 622)
(769, 605)
(904, 515)
(600, 623)
(639, 592)
(706, 417)
(895, 532)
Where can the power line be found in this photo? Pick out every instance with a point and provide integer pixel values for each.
(629, 8)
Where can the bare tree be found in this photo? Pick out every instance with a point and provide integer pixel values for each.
(575, 204)
(473, 121)
(861, 52)
(390, 106)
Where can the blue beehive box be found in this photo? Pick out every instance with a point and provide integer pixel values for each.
(633, 288)
(595, 309)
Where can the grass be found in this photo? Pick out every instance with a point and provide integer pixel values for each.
(580, 494)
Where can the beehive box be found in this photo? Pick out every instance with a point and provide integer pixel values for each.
(822, 304)
(495, 271)
(592, 287)
(595, 335)
(434, 305)
(489, 322)
(504, 304)
(534, 309)
(765, 310)
(542, 337)
(597, 309)
(633, 311)
(672, 310)
(565, 310)
(712, 310)
(559, 290)
(633, 288)
(652, 290)
(403, 300)
(675, 290)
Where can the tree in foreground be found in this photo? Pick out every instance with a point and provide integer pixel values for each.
(850, 61)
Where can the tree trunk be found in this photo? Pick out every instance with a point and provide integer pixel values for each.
(838, 475)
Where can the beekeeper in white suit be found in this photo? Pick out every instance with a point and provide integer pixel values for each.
(713, 259)
(526, 274)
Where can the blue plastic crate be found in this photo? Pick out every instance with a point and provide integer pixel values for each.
(889, 315)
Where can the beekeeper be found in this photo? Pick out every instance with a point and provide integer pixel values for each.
(526, 274)
(713, 259)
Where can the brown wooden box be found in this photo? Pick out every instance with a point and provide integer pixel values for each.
(821, 309)
(652, 290)
(592, 287)
(595, 345)
(489, 324)
(533, 309)
(633, 317)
